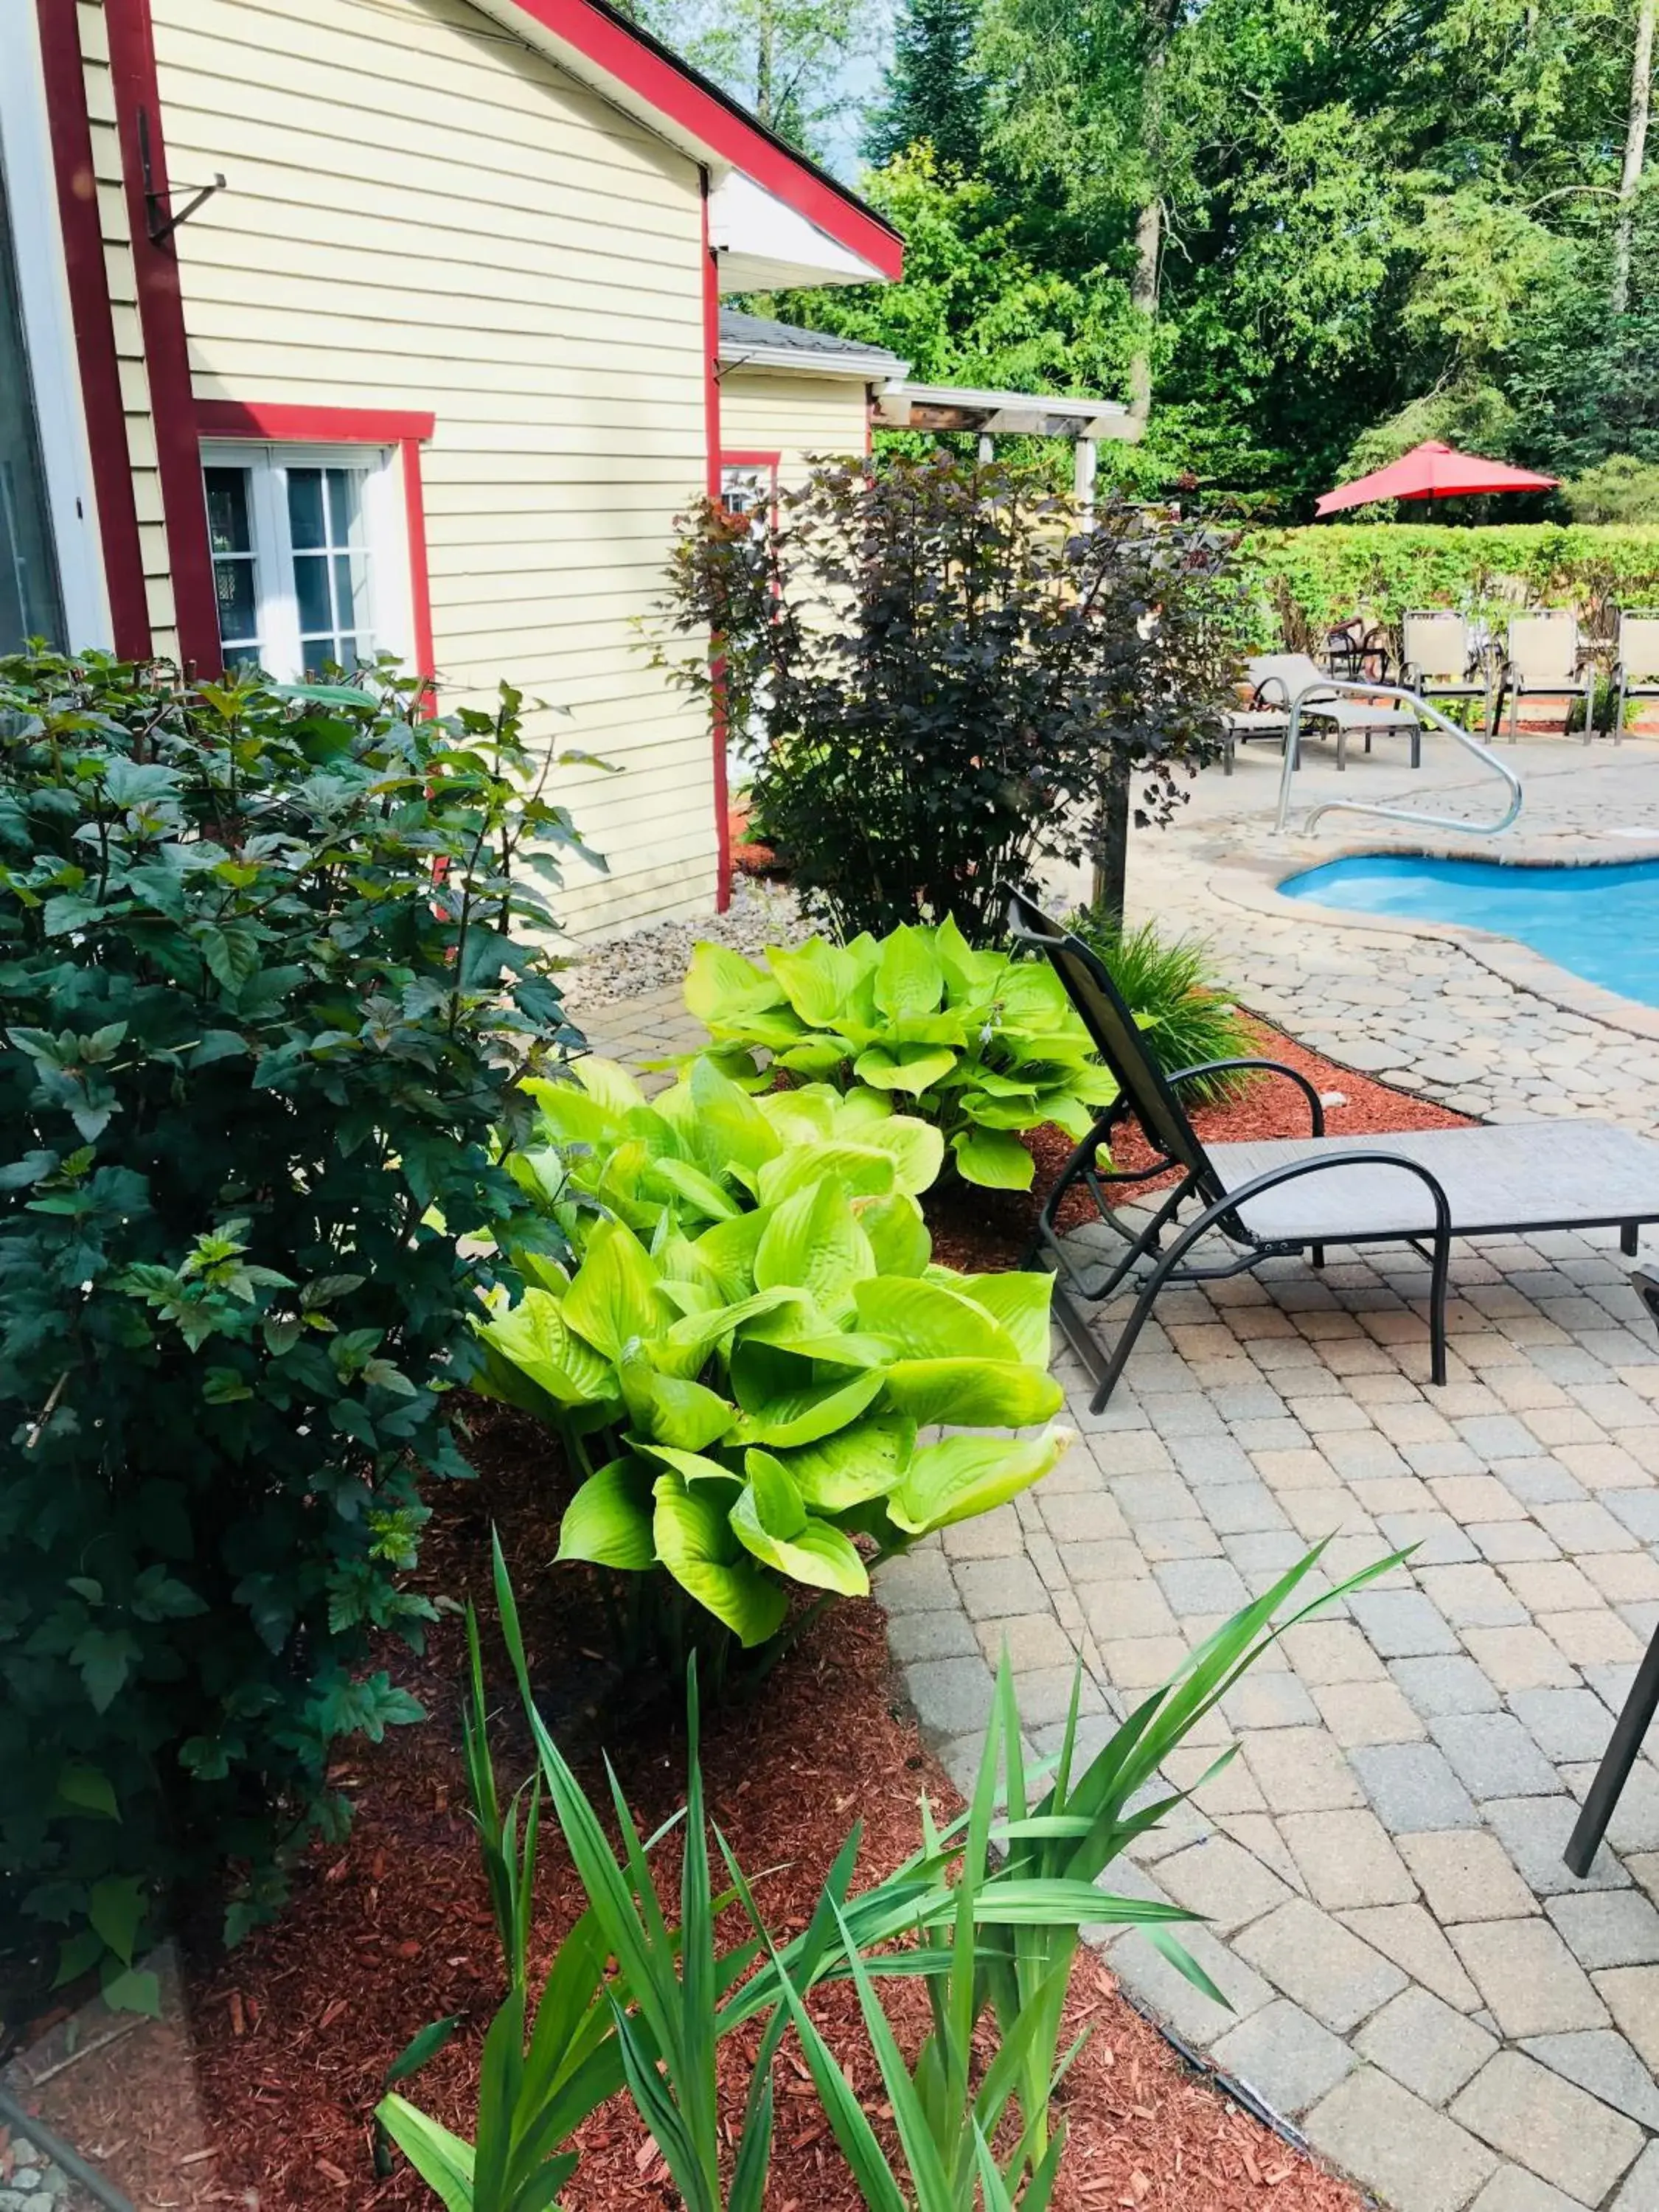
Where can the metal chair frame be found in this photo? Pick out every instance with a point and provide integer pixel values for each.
(1624, 689)
(1150, 1095)
(1634, 1720)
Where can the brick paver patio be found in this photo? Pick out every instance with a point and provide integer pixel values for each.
(1415, 1980)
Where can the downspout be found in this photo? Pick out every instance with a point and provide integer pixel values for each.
(711, 347)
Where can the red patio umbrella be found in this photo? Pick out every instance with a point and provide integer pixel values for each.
(1432, 471)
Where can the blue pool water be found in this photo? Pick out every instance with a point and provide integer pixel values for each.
(1600, 922)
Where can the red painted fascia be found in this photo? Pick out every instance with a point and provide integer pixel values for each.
(94, 331)
(623, 51)
(162, 316)
(711, 404)
(318, 425)
(407, 429)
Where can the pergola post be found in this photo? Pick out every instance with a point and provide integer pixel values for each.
(1084, 462)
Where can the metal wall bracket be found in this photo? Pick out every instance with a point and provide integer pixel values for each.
(160, 220)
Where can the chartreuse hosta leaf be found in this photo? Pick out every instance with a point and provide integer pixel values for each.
(698, 1544)
(978, 1044)
(755, 1379)
(770, 1519)
(705, 1151)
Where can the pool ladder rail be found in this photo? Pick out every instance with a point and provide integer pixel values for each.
(1427, 714)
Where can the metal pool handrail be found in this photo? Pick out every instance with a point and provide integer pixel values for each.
(1424, 712)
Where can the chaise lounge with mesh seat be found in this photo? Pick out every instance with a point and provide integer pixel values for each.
(1291, 1195)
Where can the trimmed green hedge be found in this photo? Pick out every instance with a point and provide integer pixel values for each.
(1324, 574)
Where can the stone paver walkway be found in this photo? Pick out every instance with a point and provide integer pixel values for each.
(1415, 1979)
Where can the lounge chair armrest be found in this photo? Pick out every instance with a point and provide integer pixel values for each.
(1224, 1210)
(1271, 1066)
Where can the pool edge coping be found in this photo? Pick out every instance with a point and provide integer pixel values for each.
(1252, 882)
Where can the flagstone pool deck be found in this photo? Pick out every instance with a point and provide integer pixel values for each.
(1416, 1982)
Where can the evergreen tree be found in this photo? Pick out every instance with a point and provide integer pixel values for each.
(932, 90)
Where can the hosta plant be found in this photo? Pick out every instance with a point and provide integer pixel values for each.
(978, 1043)
(704, 1151)
(749, 1393)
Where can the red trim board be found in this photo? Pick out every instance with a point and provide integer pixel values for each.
(756, 460)
(406, 429)
(95, 331)
(321, 426)
(634, 58)
(162, 316)
(711, 401)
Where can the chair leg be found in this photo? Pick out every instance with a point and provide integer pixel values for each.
(1629, 1238)
(1439, 1276)
(1316, 1255)
(1628, 1731)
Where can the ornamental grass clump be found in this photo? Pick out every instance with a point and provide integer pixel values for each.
(1170, 986)
(266, 1000)
(749, 1346)
(979, 1045)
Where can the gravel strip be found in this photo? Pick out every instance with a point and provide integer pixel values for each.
(652, 959)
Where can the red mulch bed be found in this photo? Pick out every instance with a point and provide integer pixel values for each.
(261, 2099)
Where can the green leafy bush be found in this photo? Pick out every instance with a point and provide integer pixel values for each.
(1620, 489)
(947, 674)
(1334, 570)
(1170, 986)
(981, 1045)
(748, 1392)
(263, 1011)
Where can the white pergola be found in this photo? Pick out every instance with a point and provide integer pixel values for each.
(991, 415)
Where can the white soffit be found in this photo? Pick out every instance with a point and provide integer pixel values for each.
(764, 246)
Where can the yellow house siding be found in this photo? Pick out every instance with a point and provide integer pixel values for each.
(424, 213)
(798, 418)
(128, 338)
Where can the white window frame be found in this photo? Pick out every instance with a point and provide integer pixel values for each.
(48, 327)
(390, 603)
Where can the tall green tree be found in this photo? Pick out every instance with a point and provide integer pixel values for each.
(786, 60)
(933, 93)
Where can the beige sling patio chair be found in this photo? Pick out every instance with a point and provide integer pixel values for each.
(1281, 678)
(1544, 660)
(1635, 671)
(1445, 658)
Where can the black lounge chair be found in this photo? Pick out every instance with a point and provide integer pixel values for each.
(1299, 1194)
(1634, 1720)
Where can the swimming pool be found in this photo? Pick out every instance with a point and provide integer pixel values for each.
(1600, 922)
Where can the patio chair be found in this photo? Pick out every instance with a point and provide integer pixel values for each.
(1544, 659)
(1443, 655)
(1280, 678)
(1636, 669)
(1636, 1717)
(1356, 649)
(1295, 1194)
